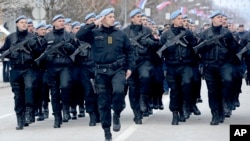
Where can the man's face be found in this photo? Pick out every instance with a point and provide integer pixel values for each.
(22, 24)
(241, 29)
(185, 23)
(41, 31)
(59, 23)
(30, 28)
(137, 19)
(68, 27)
(178, 21)
(109, 20)
(144, 20)
(217, 20)
(75, 29)
(91, 20)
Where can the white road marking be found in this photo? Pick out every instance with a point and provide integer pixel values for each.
(6, 115)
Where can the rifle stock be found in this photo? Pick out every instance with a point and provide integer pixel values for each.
(138, 38)
(78, 50)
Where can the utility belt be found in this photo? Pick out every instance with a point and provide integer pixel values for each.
(22, 66)
(103, 68)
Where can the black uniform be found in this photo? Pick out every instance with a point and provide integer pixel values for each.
(22, 74)
(218, 60)
(139, 83)
(59, 72)
(112, 55)
(179, 60)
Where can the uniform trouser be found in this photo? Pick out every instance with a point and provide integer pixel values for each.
(45, 90)
(77, 96)
(110, 90)
(60, 81)
(22, 83)
(39, 89)
(219, 84)
(196, 84)
(180, 82)
(87, 73)
(157, 84)
(139, 84)
(6, 71)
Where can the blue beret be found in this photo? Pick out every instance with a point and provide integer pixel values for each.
(184, 16)
(107, 11)
(67, 20)
(30, 21)
(76, 23)
(117, 23)
(175, 14)
(60, 16)
(97, 16)
(20, 17)
(143, 14)
(48, 26)
(40, 25)
(215, 13)
(82, 24)
(90, 15)
(134, 12)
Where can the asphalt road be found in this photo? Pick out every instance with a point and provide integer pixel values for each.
(154, 128)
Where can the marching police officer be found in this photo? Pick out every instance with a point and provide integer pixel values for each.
(139, 83)
(218, 58)
(114, 60)
(60, 45)
(179, 59)
(20, 48)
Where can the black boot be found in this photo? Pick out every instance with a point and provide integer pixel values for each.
(74, 113)
(20, 122)
(29, 115)
(108, 135)
(66, 115)
(138, 116)
(215, 118)
(58, 120)
(195, 110)
(116, 122)
(92, 117)
(175, 120)
(81, 112)
(40, 115)
(181, 116)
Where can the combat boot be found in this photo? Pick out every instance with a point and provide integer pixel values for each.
(195, 110)
(40, 115)
(215, 118)
(92, 117)
(116, 122)
(74, 113)
(108, 135)
(57, 121)
(66, 115)
(138, 116)
(81, 112)
(181, 116)
(20, 122)
(29, 115)
(175, 120)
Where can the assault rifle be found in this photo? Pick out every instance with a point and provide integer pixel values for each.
(17, 47)
(176, 40)
(135, 40)
(243, 50)
(214, 40)
(49, 51)
(82, 48)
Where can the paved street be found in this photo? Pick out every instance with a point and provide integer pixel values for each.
(156, 127)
